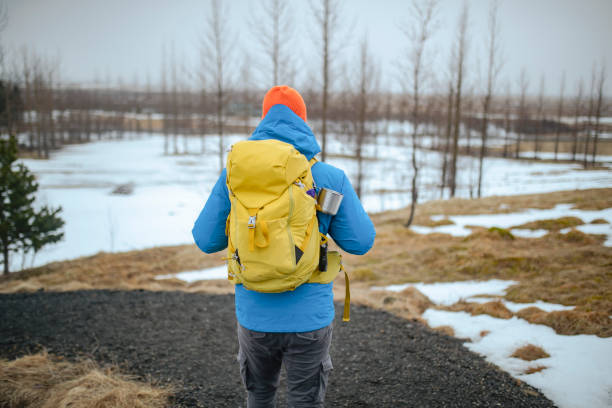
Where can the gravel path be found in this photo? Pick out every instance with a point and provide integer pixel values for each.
(189, 340)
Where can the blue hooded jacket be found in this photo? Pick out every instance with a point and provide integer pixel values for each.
(310, 306)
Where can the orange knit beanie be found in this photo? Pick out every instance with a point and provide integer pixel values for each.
(287, 96)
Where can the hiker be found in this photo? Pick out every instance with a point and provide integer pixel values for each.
(294, 326)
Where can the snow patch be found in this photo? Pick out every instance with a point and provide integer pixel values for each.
(217, 272)
(448, 293)
(578, 373)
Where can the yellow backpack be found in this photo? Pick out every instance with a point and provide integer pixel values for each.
(272, 228)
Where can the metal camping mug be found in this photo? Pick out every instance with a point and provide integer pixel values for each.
(329, 200)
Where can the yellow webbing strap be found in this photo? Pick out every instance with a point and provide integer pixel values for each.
(227, 222)
(308, 233)
(265, 233)
(346, 316)
(312, 161)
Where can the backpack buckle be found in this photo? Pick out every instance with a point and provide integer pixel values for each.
(251, 223)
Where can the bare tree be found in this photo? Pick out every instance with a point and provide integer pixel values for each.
(577, 111)
(559, 114)
(540, 115)
(327, 17)
(418, 31)
(247, 93)
(522, 114)
(272, 25)
(589, 127)
(447, 135)
(600, 88)
(364, 107)
(174, 100)
(216, 48)
(507, 119)
(494, 66)
(164, 101)
(459, 54)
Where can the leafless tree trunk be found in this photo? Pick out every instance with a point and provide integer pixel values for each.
(418, 32)
(459, 58)
(447, 136)
(577, 112)
(540, 116)
(327, 18)
(494, 66)
(364, 107)
(247, 97)
(216, 47)
(507, 119)
(174, 101)
(164, 100)
(523, 116)
(273, 27)
(589, 127)
(559, 114)
(600, 88)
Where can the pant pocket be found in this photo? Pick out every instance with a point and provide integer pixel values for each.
(242, 361)
(326, 368)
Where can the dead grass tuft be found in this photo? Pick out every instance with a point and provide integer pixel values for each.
(484, 333)
(535, 369)
(599, 221)
(448, 330)
(363, 274)
(494, 308)
(555, 224)
(428, 222)
(577, 237)
(42, 381)
(529, 352)
(571, 322)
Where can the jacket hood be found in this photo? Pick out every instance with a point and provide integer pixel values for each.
(282, 124)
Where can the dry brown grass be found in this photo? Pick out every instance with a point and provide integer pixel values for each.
(529, 352)
(494, 308)
(428, 222)
(553, 224)
(484, 333)
(569, 269)
(448, 330)
(126, 270)
(43, 381)
(571, 321)
(535, 369)
(599, 221)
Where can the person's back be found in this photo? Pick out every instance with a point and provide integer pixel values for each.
(292, 327)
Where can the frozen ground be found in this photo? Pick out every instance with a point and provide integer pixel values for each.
(460, 222)
(169, 191)
(578, 372)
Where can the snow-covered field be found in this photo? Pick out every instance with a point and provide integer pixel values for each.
(578, 372)
(169, 191)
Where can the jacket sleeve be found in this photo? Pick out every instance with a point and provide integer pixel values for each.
(209, 229)
(351, 228)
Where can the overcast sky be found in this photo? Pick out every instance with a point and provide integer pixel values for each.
(96, 39)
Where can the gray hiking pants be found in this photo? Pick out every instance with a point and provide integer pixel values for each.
(306, 359)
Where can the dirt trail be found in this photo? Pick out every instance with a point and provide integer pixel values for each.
(189, 340)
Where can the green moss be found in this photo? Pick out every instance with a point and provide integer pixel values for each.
(502, 232)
